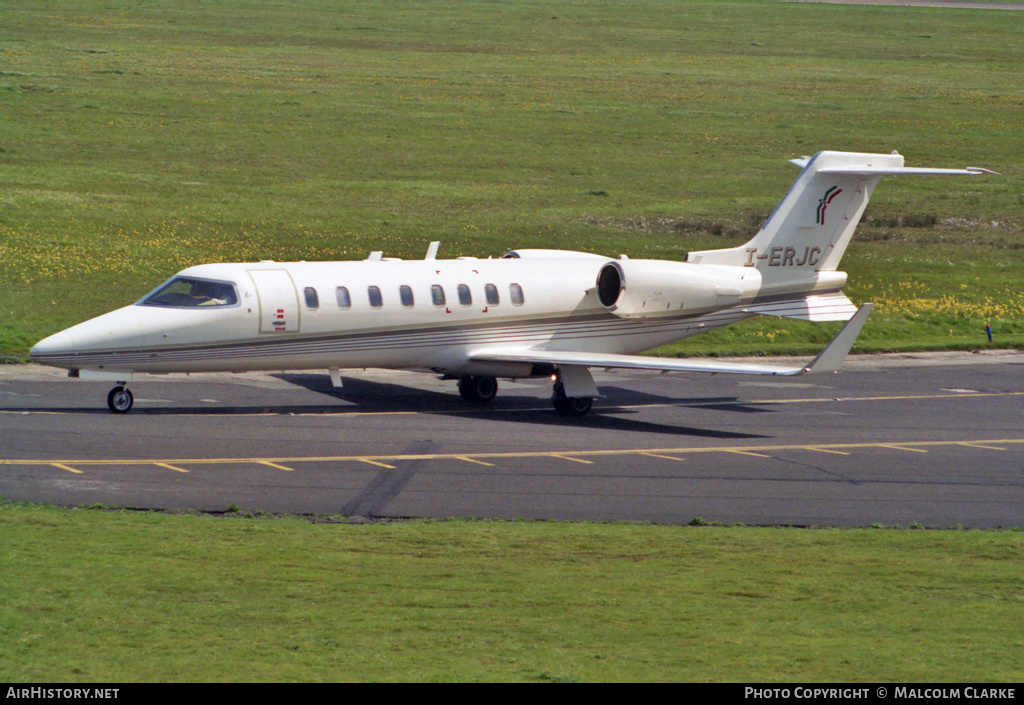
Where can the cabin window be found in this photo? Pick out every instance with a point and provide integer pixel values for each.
(437, 294)
(465, 295)
(376, 301)
(186, 292)
(515, 293)
(344, 300)
(405, 294)
(312, 300)
(491, 293)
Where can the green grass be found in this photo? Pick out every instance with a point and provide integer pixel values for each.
(97, 596)
(140, 139)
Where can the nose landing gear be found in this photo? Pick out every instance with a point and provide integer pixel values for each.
(120, 399)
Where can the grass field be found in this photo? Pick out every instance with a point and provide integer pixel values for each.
(140, 139)
(95, 596)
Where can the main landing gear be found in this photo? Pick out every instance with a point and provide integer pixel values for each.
(120, 399)
(570, 406)
(483, 389)
(479, 390)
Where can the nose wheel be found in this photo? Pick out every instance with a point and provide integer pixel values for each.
(120, 400)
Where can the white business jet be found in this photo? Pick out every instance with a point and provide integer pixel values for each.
(530, 313)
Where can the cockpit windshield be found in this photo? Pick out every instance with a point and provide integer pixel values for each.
(185, 292)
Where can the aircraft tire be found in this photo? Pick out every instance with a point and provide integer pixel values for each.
(479, 390)
(120, 400)
(570, 406)
(573, 406)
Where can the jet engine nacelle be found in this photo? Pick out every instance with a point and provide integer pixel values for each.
(549, 254)
(642, 288)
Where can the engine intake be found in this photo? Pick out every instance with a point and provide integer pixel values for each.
(609, 284)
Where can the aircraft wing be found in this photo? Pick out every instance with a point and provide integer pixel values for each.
(814, 307)
(828, 360)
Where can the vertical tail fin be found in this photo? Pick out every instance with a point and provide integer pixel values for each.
(810, 228)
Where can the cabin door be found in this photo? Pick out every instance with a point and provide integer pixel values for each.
(279, 300)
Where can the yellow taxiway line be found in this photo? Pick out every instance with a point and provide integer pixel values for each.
(352, 413)
(578, 456)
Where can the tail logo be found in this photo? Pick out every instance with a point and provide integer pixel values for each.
(825, 201)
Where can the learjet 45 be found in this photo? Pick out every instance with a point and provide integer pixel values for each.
(530, 313)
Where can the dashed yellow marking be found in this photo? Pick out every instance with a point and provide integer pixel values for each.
(747, 452)
(827, 450)
(979, 445)
(576, 456)
(575, 460)
(374, 462)
(900, 446)
(275, 465)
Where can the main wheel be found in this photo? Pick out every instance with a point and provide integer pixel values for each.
(570, 406)
(120, 400)
(479, 390)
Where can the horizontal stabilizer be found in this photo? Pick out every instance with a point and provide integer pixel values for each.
(903, 171)
(829, 360)
(866, 169)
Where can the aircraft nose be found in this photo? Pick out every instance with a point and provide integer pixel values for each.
(57, 344)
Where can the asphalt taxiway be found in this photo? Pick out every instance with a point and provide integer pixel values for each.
(934, 440)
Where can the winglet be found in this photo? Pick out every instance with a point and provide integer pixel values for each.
(832, 357)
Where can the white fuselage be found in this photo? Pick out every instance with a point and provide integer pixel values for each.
(304, 315)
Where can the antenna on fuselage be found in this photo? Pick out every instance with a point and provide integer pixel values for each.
(432, 250)
(375, 256)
